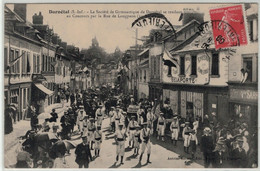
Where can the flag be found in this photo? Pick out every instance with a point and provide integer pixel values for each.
(169, 60)
(15, 60)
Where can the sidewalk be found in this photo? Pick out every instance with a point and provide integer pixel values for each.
(22, 126)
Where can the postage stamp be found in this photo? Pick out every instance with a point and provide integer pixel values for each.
(229, 26)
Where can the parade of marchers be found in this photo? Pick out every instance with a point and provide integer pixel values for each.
(130, 123)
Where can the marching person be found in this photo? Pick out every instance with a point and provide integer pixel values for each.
(185, 135)
(54, 116)
(83, 154)
(161, 124)
(118, 117)
(112, 119)
(99, 115)
(120, 142)
(131, 130)
(207, 147)
(150, 118)
(145, 137)
(80, 119)
(175, 129)
(137, 140)
(193, 141)
(91, 129)
(98, 140)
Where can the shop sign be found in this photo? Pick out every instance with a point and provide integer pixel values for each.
(251, 95)
(183, 79)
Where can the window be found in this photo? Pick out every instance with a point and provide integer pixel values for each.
(28, 66)
(24, 62)
(43, 66)
(251, 34)
(182, 65)
(247, 66)
(169, 71)
(38, 64)
(194, 65)
(140, 75)
(34, 63)
(17, 64)
(144, 75)
(46, 63)
(215, 64)
(10, 60)
(5, 59)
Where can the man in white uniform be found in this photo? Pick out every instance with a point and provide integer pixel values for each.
(161, 124)
(120, 142)
(99, 115)
(91, 129)
(98, 140)
(150, 119)
(117, 117)
(145, 137)
(131, 130)
(112, 119)
(175, 128)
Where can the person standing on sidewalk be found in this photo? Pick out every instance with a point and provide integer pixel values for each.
(120, 142)
(145, 137)
(83, 154)
(207, 147)
(175, 128)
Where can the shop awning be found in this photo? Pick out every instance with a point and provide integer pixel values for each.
(44, 89)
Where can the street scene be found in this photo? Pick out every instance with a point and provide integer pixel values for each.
(131, 86)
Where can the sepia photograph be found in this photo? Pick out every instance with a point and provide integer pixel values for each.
(130, 85)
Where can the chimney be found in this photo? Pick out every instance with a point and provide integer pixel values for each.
(37, 19)
(20, 9)
(191, 14)
(55, 39)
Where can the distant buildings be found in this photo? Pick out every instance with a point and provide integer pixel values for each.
(37, 64)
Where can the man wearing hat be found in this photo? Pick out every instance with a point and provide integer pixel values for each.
(137, 140)
(83, 154)
(175, 129)
(98, 139)
(145, 137)
(207, 147)
(117, 116)
(80, 120)
(161, 124)
(185, 135)
(112, 118)
(90, 133)
(239, 157)
(131, 130)
(99, 115)
(54, 116)
(120, 142)
(220, 154)
(150, 118)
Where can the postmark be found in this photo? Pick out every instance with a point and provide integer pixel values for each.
(228, 26)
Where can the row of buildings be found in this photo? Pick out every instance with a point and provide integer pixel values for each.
(37, 63)
(197, 80)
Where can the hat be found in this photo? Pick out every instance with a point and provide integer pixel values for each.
(100, 105)
(207, 130)
(117, 106)
(53, 110)
(112, 107)
(55, 126)
(92, 119)
(84, 136)
(161, 113)
(187, 123)
(144, 123)
(239, 139)
(175, 118)
(132, 117)
(81, 107)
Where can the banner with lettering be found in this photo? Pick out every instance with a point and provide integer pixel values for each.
(203, 60)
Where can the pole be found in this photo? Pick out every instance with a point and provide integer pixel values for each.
(135, 83)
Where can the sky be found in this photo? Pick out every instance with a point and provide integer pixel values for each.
(110, 32)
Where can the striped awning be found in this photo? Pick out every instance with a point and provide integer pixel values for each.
(43, 89)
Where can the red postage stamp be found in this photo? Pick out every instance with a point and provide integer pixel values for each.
(228, 26)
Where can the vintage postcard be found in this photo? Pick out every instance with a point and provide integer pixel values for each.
(130, 85)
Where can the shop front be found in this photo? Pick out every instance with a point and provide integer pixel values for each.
(243, 102)
(155, 91)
